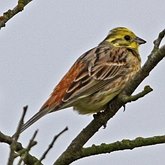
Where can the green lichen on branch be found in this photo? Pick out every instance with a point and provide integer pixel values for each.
(120, 145)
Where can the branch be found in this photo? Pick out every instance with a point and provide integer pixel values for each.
(158, 40)
(18, 148)
(119, 145)
(24, 153)
(15, 138)
(126, 99)
(101, 119)
(12, 12)
(52, 143)
(17, 133)
(32, 142)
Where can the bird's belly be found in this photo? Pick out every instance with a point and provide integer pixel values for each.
(93, 104)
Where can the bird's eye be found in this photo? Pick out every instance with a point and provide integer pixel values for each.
(127, 37)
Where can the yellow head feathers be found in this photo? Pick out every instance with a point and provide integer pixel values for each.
(123, 37)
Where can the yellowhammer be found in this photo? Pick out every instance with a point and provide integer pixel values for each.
(97, 76)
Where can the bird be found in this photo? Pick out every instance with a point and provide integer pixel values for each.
(96, 77)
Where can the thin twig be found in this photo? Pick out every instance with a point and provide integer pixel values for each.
(28, 148)
(158, 40)
(21, 122)
(52, 143)
(32, 142)
(15, 138)
(19, 149)
(126, 99)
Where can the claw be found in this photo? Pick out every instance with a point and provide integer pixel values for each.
(104, 125)
(97, 115)
(124, 106)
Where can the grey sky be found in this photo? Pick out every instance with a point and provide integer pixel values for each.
(40, 44)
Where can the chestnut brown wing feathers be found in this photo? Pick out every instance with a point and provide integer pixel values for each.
(102, 67)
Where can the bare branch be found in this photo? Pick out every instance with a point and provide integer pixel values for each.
(119, 145)
(52, 143)
(158, 40)
(17, 133)
(15, 138)
(125, 99)
(18, 148)
(31, 144)
(12, 12)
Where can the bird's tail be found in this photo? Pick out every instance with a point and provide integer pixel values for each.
(33, 119)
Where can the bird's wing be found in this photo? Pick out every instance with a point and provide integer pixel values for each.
(103, 66)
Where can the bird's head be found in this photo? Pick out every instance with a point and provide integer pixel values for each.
(123, 37)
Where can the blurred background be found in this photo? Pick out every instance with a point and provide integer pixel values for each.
(40, 44)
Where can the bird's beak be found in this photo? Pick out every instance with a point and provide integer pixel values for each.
(140, 40)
